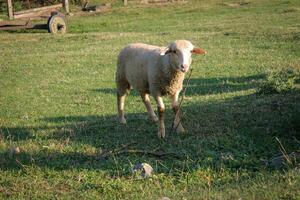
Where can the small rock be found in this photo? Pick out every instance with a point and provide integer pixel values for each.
(279, 161)
(144, 169)
(164, 198)
(14, 151)
(17, 150)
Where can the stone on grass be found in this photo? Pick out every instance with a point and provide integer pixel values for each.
(14, 151)
(143, 169)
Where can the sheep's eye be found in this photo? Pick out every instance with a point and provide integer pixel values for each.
(175, 51)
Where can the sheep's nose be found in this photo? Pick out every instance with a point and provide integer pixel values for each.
(184, 68)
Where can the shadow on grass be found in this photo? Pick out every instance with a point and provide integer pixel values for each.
(113, 91)
(223, 85)
(234, 134)
(209, 85)
(39, 28)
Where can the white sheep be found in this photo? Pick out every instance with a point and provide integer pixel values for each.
(157, 71)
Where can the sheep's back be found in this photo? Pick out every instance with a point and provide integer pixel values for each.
(136, 62)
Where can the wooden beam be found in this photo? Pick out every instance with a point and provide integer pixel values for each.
(10, 9)
(45, 8)
(42, 13)
(66, 6)
(10, 28)
(25, 26)
(14, 23)
(125, 2)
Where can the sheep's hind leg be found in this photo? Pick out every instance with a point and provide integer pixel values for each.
(146, 100)
(161, 116)
(122, 91)
(121, 101)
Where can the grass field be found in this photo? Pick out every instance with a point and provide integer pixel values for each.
(58, 105)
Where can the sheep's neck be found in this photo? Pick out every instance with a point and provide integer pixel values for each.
(170, 80)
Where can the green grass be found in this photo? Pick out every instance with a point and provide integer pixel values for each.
(58, 104)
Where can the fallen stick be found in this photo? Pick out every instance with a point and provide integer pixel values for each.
(180, 103)
(114, 151)
(123, 150)
(144, 152)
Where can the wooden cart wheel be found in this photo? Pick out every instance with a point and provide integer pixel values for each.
(57, 24)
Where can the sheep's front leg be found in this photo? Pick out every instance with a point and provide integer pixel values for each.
(177, 121)
(161, 116)
(146, 100)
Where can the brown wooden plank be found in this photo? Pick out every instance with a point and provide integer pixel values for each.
(35, 14)
(66, 6)
(26, 26)
(13, 22)
(10, 9)
(45, 8)
(7, 28)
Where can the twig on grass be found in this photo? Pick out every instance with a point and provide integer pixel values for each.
(124, 150)
(22, 166)
(180, 103)
(144, 152)
(283, 151)
(114, 151)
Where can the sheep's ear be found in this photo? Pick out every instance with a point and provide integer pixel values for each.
(165, 51)
(198, 51)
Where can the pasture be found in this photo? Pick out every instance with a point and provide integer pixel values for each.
(58, 105)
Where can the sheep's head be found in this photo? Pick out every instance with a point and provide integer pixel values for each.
(180, 54)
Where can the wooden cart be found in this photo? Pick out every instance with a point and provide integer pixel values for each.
(56, 22)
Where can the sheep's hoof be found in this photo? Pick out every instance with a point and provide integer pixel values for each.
(180, 129)
(154, 118)
(161, 134)
(122, 120)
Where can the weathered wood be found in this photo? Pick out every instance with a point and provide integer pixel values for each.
(9, 28)
(66, 6)
(57, 24)
(37, 12)
(25, 25)
(28, 4)
(45, 8)
(16, 26)
(97, 8)
(85, 5)
(154, 2)
(164, 1)
(41, 14)
(125, 2)
(14, 22)
(10, 9)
